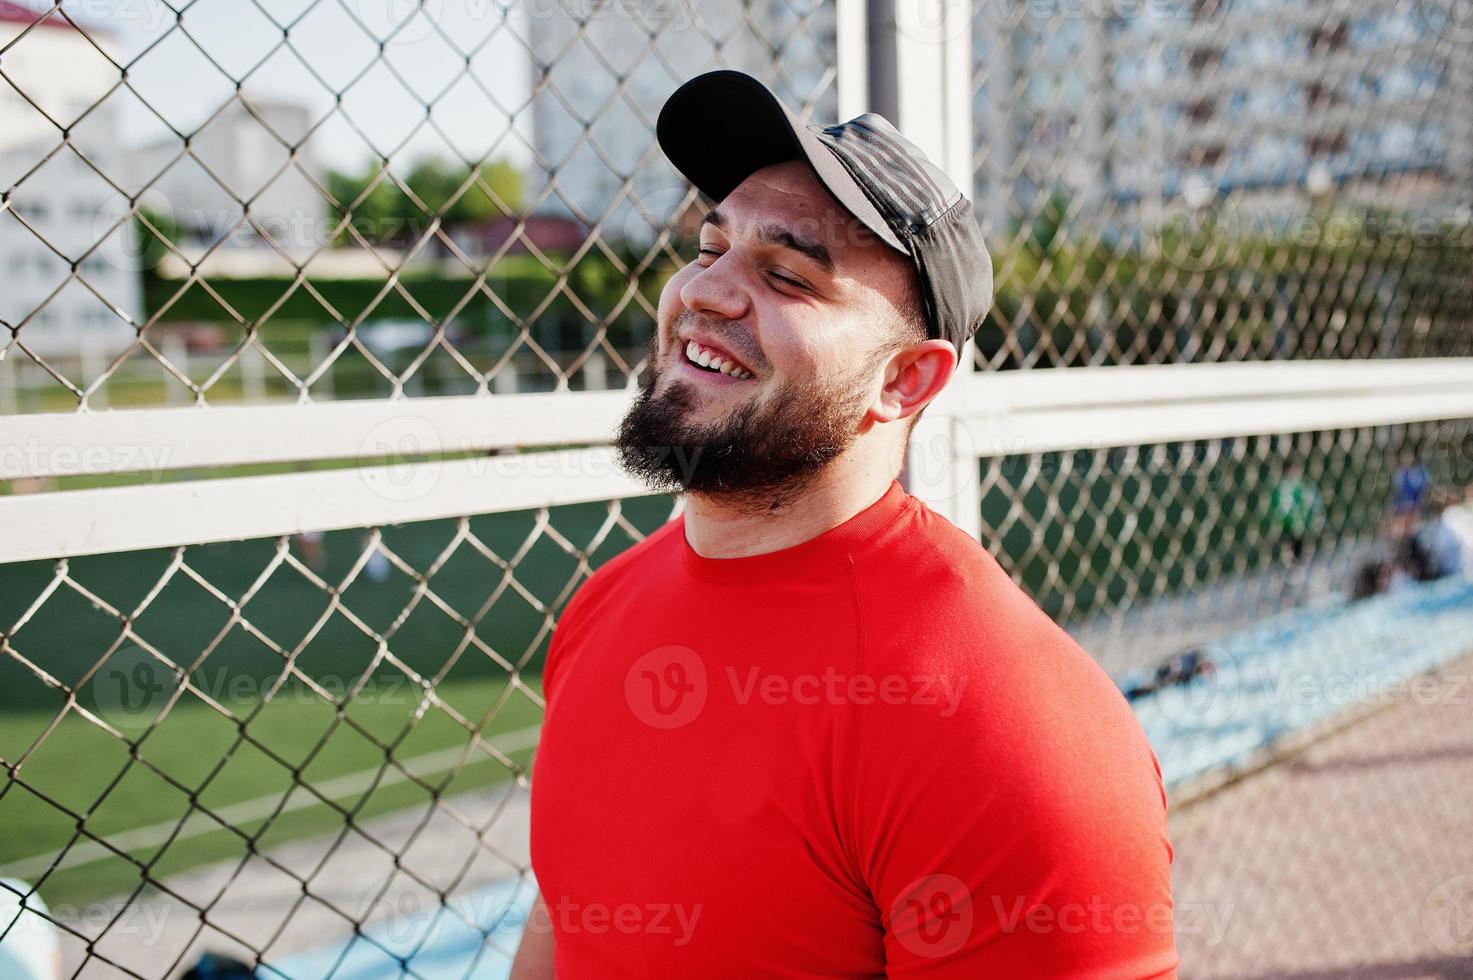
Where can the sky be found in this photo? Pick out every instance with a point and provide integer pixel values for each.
(186, 66)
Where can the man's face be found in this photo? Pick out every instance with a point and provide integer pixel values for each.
(801, 301)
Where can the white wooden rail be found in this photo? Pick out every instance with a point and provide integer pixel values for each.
(990, 415)
(154, 439)
(1130, 406)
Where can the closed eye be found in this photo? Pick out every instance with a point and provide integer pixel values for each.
(788, 281)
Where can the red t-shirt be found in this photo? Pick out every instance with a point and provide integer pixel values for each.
(869, 754)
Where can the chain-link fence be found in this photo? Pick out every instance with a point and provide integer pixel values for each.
(1223, 181)
(276, 741)
(503, 222)
(261, 702)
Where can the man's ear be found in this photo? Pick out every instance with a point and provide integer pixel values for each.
(915, 376)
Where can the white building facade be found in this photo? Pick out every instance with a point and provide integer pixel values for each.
(1266, 100)
(240, 158)
(69, 271)
(602, 69)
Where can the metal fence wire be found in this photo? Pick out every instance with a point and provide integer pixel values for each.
(1183, 183)
(363, 692)
(310, 750)
(545, 275)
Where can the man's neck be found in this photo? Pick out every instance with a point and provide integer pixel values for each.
(718, 529)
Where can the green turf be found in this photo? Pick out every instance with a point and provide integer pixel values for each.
(508, 587)
(194, 755)
(85, 770)
(1091, 530)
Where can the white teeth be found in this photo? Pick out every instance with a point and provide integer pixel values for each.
(697, 355)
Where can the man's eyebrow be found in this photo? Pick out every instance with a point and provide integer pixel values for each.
(775, 234)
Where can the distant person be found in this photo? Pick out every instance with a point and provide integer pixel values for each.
(377, 568)
(30, 949)
(1403, 576)
(215, 966)
(1178, 669)
(1413, 559)
(309, 543)
(1372, 578)
(1410, 486)
(1448, 538)
(1296, 512)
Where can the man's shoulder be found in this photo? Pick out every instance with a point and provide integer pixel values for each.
(935, 594)
(627, 565)
(928, 564)
(947, 616)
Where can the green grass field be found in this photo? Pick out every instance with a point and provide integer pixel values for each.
(194, 757)
(258, 749)
(1094, 530)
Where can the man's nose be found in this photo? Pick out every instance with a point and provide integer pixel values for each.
(716, 289)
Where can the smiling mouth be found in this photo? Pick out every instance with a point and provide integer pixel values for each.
(705, 360)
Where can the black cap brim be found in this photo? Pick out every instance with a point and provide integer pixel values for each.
(721, 127)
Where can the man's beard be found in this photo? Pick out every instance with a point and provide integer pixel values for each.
(759, 457)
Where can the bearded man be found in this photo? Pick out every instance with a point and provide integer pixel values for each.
(810, 728)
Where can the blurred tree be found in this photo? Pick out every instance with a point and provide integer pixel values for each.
(383, 213)
(1045, 231)
(156, 231)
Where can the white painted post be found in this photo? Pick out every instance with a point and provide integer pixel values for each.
(998, 138)
(176, 354)
(933, 50)
(852, 58)
(252, 375)
(318, 348)
(505, 381)
(9, 404)
(596, 372)
(92, 361)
